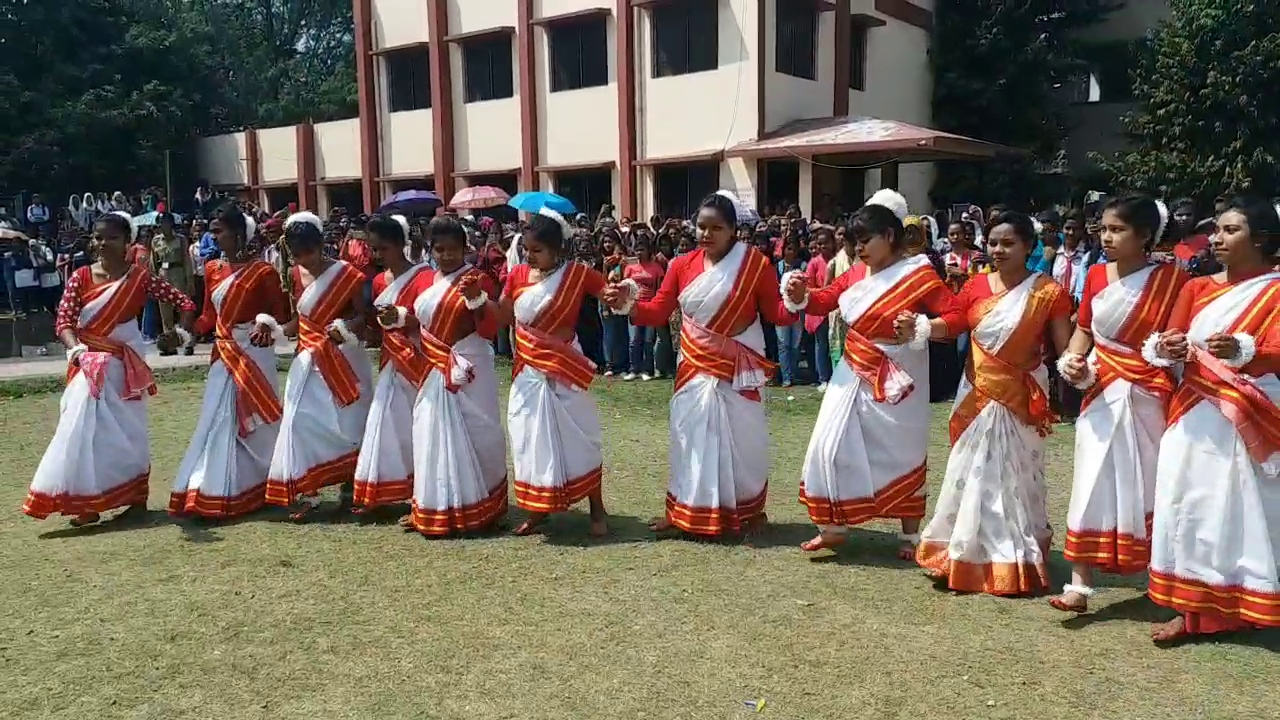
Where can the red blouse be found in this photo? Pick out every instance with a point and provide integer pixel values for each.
(934, 300)
(593, 284)
(486, 325)
(1197, 293)
(686, 268)
(81, 281)
(957, 319)
(268, 297)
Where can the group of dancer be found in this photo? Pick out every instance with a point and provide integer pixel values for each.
(1176, 448)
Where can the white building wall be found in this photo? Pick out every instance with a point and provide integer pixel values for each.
(400, 22)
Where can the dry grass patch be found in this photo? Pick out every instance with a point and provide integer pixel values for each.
(264, 619)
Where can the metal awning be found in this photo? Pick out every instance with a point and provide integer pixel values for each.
(866, 136)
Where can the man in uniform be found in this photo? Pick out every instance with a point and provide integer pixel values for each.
(171, 260)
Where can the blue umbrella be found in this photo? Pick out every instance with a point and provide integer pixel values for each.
(532, 202)
(412, 203)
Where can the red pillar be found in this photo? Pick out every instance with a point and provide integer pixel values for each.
(441, 99)
(370, 144)
(625, 60)
(528, 97)
(253, 165)
(844, 48)
(306, 152)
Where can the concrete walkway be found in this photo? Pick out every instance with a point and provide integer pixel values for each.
(55, 363)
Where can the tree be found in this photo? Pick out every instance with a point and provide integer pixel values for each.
(999, 70)
(1208, 117)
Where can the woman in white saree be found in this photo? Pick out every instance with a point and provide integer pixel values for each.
(719, 438)
(384, 468)
(100, 455)
(1126, 301)
(990, 529)
(330, 383)
(224, 471)
(1215, 540)
(554, 426)
(867, 455)
(459, 447)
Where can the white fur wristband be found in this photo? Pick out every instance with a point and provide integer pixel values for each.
(794, 307)
(1247, 348)
(924, 329)
(271, 324)
(478, 301)
(1151, 352)
(401, 314)
(632, 295)
(1090, 375)
(340, 325)
(76, 351)
(185, 337)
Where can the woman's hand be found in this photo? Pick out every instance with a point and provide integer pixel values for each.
(904, 327)
(796, 289)
(388, 315)
(1073, 368)
(261, 336)
(469, 286)
(1173, 346)
(613, 296)
(1223, 346)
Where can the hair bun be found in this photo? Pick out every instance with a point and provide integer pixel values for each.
(566, 231)
(892, 200)
(307, 217)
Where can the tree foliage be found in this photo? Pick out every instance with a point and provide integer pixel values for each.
(1208, 117)
(95, 91)
(1001, 70)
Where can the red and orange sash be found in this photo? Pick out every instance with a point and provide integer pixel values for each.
(96, 334)
(537, 348)
(399, 349)
(438, 338)
(313, 336)
(1007, 376)
(1207, 378)
(257, 396)
(1150, 315)
(863, 355)
(711, 350)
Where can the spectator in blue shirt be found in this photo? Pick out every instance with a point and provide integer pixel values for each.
(208, 246)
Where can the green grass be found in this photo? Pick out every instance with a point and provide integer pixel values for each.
(264, 619)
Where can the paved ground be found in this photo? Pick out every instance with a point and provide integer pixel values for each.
(55, 364)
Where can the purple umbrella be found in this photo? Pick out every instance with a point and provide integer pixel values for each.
(412, 203)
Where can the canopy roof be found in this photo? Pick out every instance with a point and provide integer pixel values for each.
(857, 134)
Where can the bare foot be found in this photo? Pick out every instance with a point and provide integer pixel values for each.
(406, 522)
(599, 529)
(1072, 602)
(1170, 632)
(85, 519)
(907, 546)
(305, 505)
(823, 541)
(133, 511)
(660, 524)
(530, 526)
(755, 525)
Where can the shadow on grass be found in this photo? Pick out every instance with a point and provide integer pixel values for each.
(123, 522)
(572, 529)
(202, 531)
(1135, 609)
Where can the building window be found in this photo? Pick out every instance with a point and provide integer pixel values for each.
(408, 79)
(797, 40)
(487, 70)
(680, 188)
(686, 37)
(579, 54)
(587, 189)
(858, 58)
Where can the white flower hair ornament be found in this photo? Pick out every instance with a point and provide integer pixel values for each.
(1163, 209)
(403, 222)
(892, 200)
(566, 231)
(133, 226)
(307, 217)
(250, 227)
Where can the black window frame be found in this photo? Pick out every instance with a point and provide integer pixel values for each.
(488, 68)
(408, 74)
(685, 37)
(859, 54)
(583, 186)
(578, 53)
(699, 180)
(796, 26)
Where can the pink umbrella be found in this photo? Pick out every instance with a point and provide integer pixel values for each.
(479, 196)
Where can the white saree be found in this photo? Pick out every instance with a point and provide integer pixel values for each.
(459, 447)
(1215, 540)
(719, 447)
(384, 468)
(319, 439)
(991, 516)
(224, 471)
(100, 456)
(866, 457)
